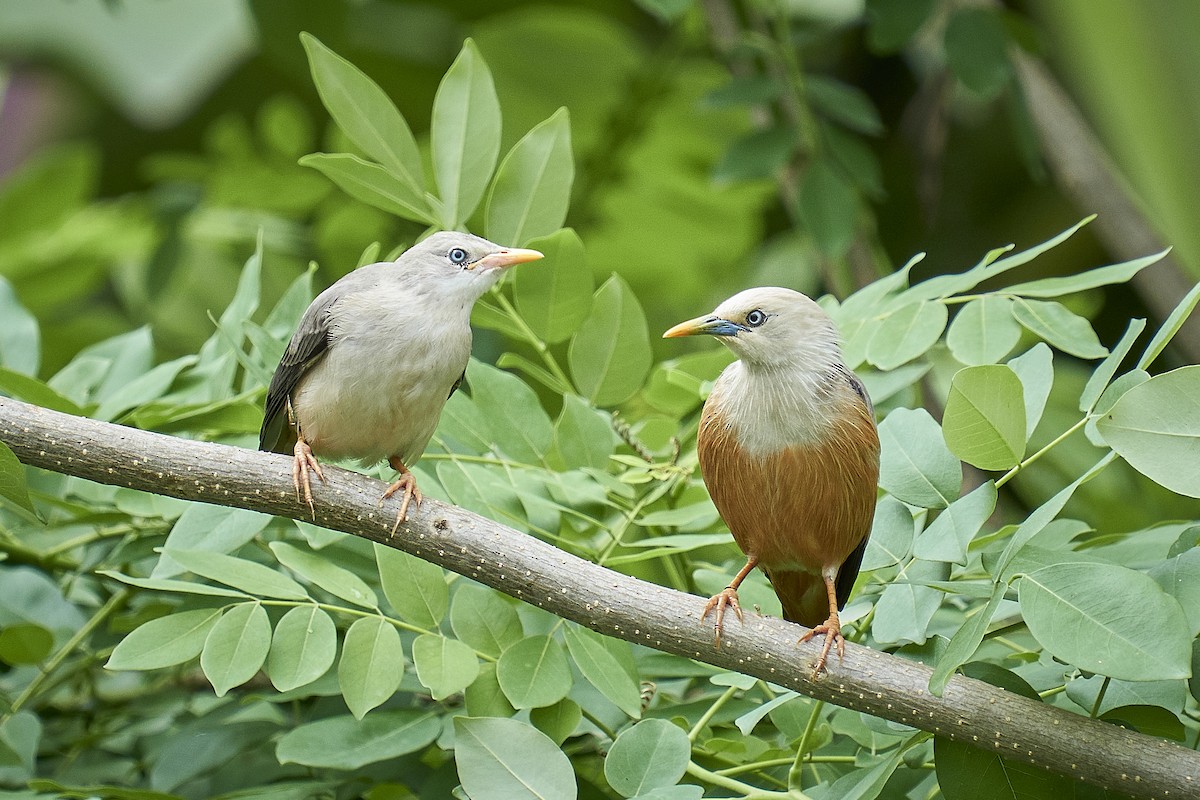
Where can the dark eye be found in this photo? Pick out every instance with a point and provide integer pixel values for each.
(457, 256)
(755, 318)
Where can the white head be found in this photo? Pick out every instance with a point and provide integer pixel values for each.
(771, 327)
(460, 265)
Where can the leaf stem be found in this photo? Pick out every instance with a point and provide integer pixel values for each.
(794, 774)
(534, 341)
(1012, 473)
(1099, 698)
(705, 718)
(747, 791)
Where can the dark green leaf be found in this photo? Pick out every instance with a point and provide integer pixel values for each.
(31, 390)
(557, 721)
(965, 772)
(1180, 578)
(843, 103)
(25, 643)
(894, 22)
(756, 155)
(484, 697)
(977, 50)
(13, 486)
(828, 206)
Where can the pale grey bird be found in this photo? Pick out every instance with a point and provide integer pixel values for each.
(377, 355)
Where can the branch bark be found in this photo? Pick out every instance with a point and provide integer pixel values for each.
(606, 601)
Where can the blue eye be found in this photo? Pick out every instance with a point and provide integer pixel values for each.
(457, 256)
(755, 318)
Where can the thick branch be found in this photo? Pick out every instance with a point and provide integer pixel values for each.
(607, 601)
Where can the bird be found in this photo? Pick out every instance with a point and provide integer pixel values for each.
(376, 356)
(789, 452)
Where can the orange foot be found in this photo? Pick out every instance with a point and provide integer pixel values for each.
(303, 461)
(832, 628)
(726, 598)
(408, 482)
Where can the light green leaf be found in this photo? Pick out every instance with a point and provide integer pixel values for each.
(1180, 578)
(236, 647)
(20, 337)
(532, 188)
(610, 353)
(482, 489)
(371, 184)
(464, 135)
(534, 672)
(215, 529)
(165, 641)
(557, 721)
(514, 415)
(415, 588)
(828, 205)
(583, 436)
(906, 606)
(365, 114)
(302, 648)
(1107, 619)
(1093, 278)
(1060, 327)
(463, 422)
(13, 486)
(32, 390)
(322, 572)
(906, 334)
(1155, 426)
(1164, 335)
(484, 697)
(867, 782)
(554, 296)
(371, 665)
(965, 640)
(984, 423)
(608, 665)
(168, 585)
(984, 331)
(249, 576)
(345, 743)
(444, 666)
(1103, 374)
(653, 753)
(484, 620)
(1035, 368)
(947, 537)
(891, 535)
(914, 464)
(505, 759)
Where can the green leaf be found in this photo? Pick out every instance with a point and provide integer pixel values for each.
(444, 666)
(843, 103)
(891, 537)
(20, 337)
(914, 464)
(514, 415)
(481, 618)
(1093, 278)
(164, 642)
(965, 641)
(608, 665)
(346, 743)
(532, 188)
(236, 647)
(215, 529)
(322, 572)
(1180, 578)
(504, 759)
(610, 353)
(168, 585)
(1164, 335)
(867, 782)
(31, 390)
(583, 436)
(464, 135)
(1155, 426)
(1107, 619)
(906, 334)
(249, 576)
(484, 697)
(653, 753)
(906, 606)
(302, 648)
(947, 537)
(1147, 719)
(984, 331)
(555, 296)
(371, 665)
(894, 22)
(482, 489)
(371, 184)
(415, 588)
(977, 50)
(667, 11)
(966, 772)
(755, 155)
(828, 206)
(13, 486)
(365, 114)
(984, 423)
(25, 643)
(1103, 374)
(557, 721)
(1035, 368)
(1060, 327)
(534, 672)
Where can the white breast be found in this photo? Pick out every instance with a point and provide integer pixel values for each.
(772, 411)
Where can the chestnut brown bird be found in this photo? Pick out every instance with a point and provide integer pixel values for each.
(377, 355)
(789, 452)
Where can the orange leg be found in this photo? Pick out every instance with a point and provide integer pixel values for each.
(832, 628)
(303, 461)
(408, 482)
(728, 598)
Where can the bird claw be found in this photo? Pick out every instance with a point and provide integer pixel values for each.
(832, 628)
(302, 462)
(408, 482)
(726, 598)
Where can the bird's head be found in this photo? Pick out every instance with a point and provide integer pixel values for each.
(461, 264)
(770, 326)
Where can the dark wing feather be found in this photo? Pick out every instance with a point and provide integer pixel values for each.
(308, 344)
(457, 384)
(848, 572)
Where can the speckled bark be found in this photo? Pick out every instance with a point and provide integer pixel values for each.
(607, 601)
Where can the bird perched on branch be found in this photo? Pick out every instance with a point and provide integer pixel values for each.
(377, 355)
(790, 454)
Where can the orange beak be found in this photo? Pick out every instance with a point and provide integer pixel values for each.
(507, 258)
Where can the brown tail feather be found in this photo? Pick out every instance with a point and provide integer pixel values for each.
(803, 596)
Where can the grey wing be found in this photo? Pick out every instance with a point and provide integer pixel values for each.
(308, 344)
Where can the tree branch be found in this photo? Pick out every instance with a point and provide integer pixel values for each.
(606, 601)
